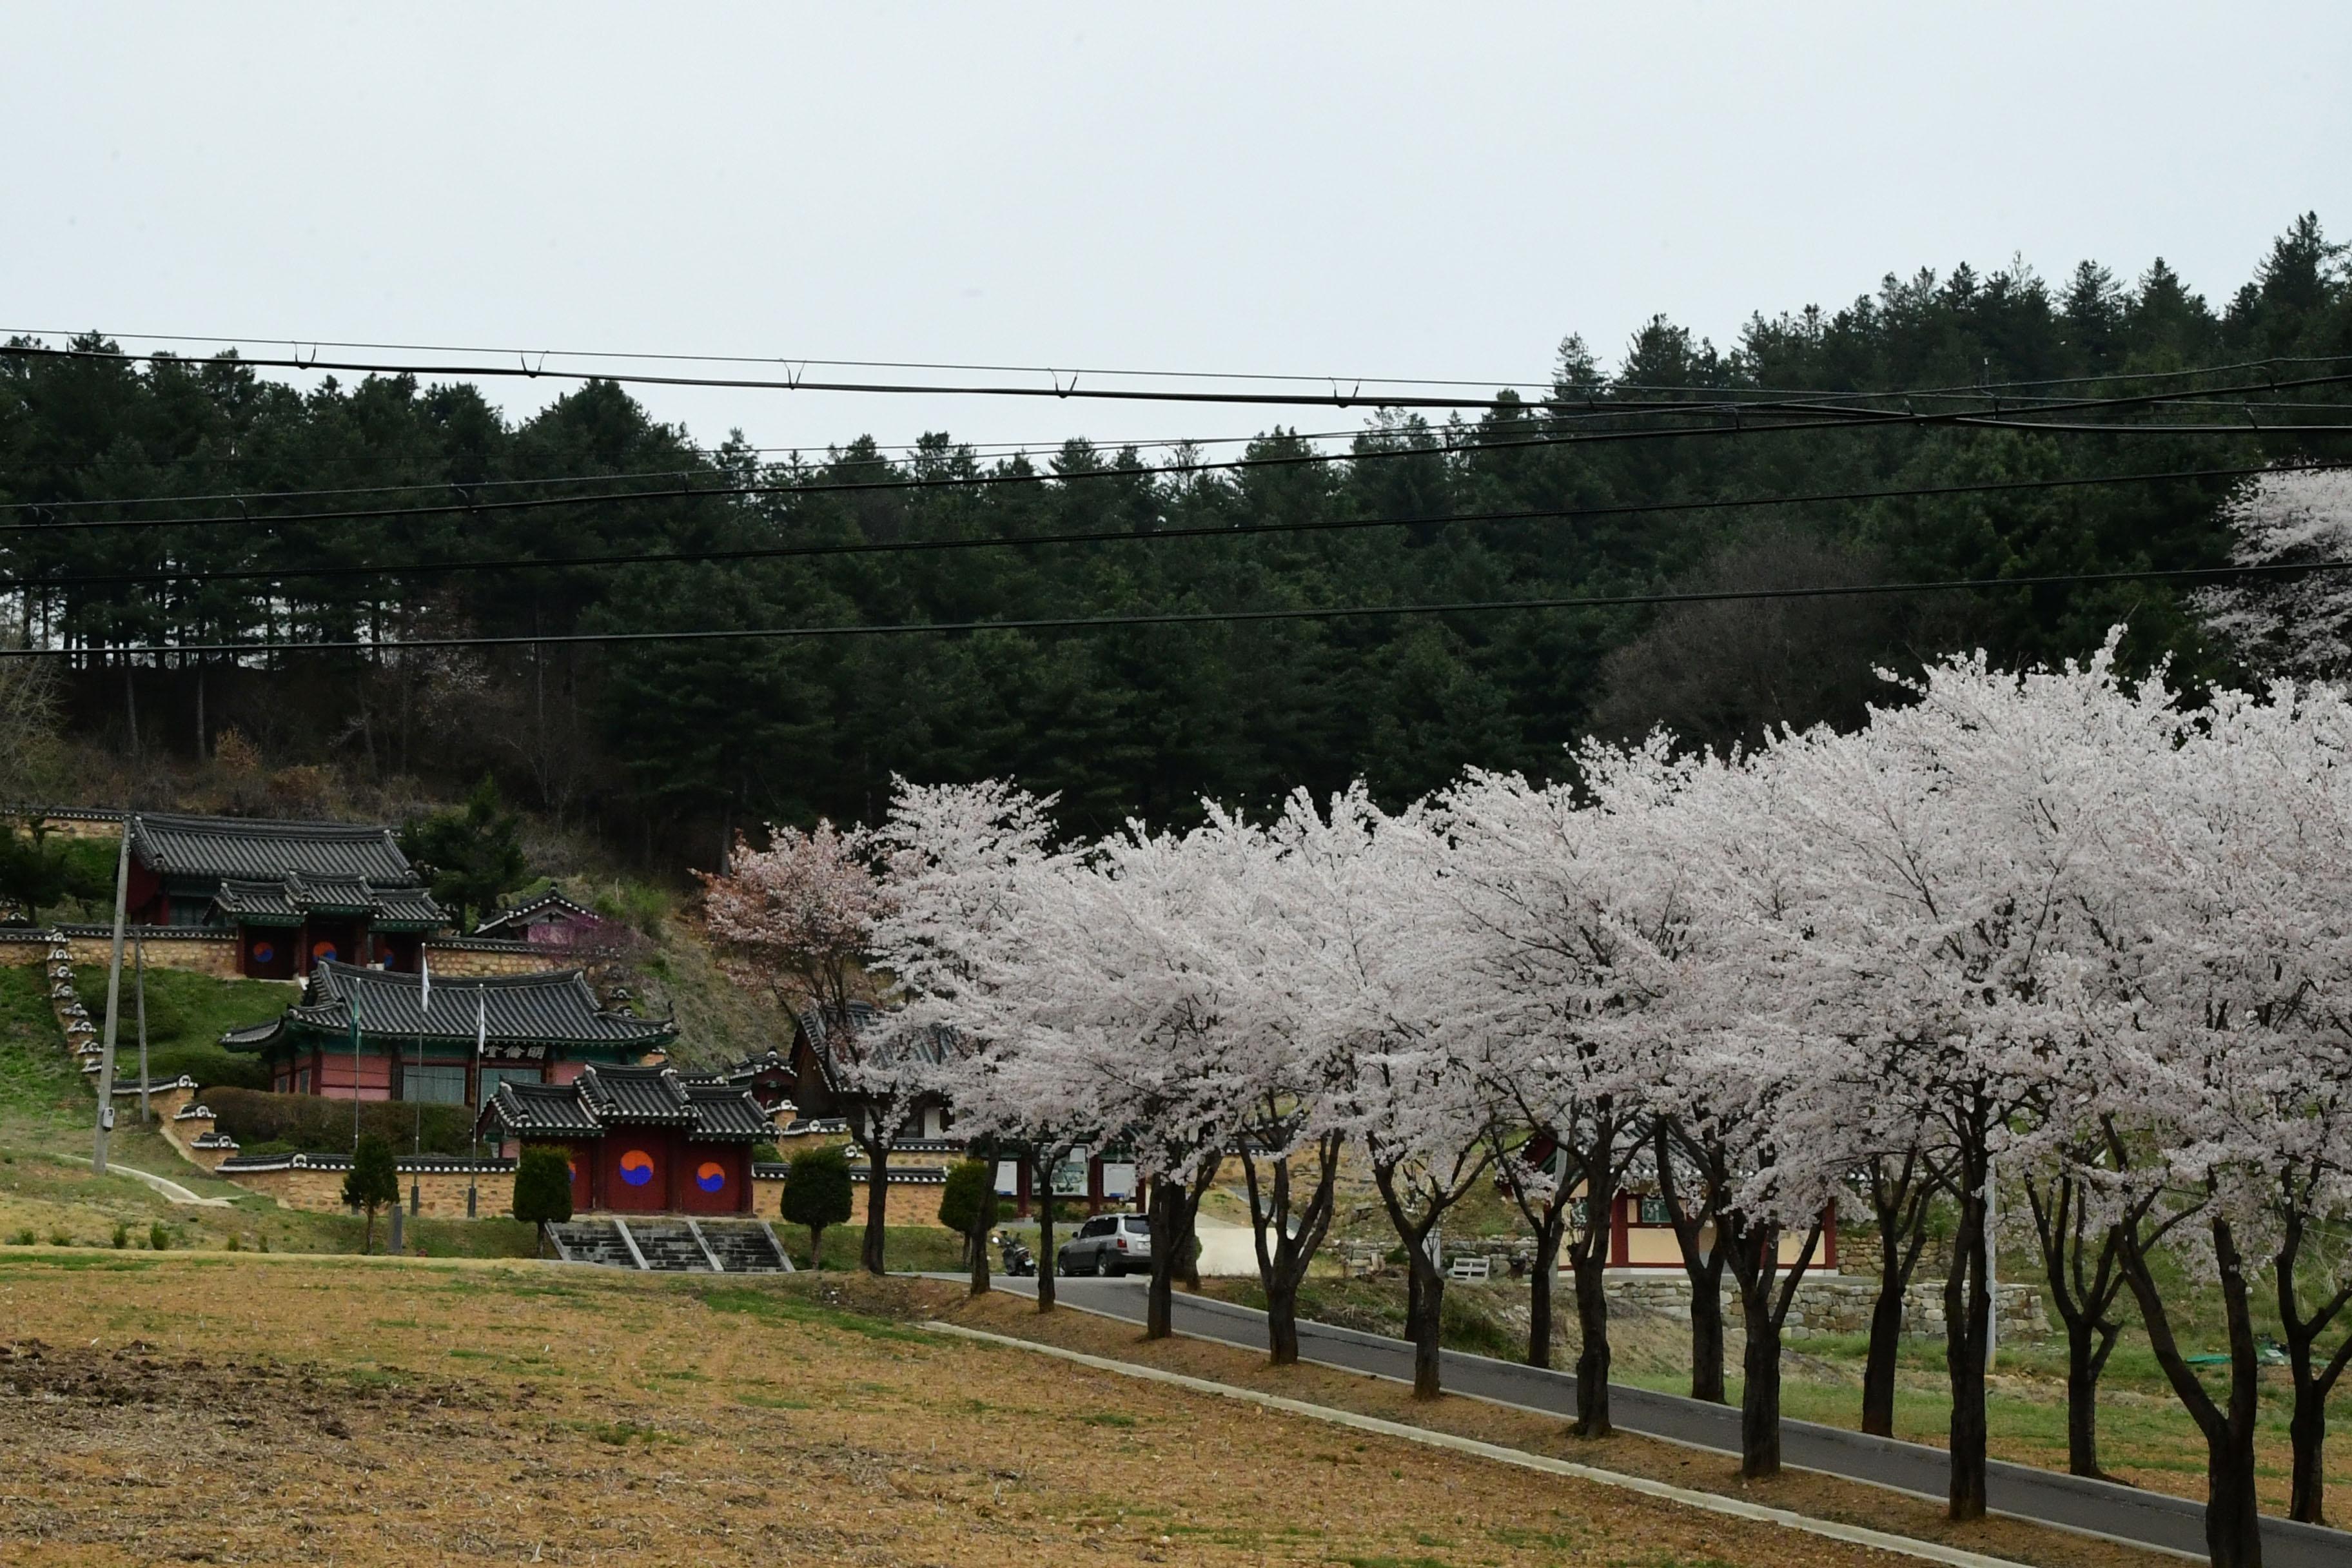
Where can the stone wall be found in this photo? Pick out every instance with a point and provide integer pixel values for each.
(909, 1202)
(457, 959)
(1839, 1304)
(320, 1189)
(200, 951)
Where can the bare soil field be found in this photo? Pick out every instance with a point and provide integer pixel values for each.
(275, 1409)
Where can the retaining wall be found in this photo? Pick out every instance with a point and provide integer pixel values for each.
(1840, 1305)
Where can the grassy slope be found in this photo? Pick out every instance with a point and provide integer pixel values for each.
(47, 1187)
(185, 1016)
(719, 1022)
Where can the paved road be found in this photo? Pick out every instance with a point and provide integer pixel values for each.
(2122, 1512)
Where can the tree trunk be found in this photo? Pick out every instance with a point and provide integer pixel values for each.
(1041, 1180)
(2307, 1432)
(2083, 1363)
(816, 1249)
(877, 1205)
(2233, 1526)
(1160, 1299)
(1425, 1314)
(1282, 1322)
(1968, 1322)
(1706, 1334)
(1760, 1393)
(1879, 1367)
(1546, 1268)
(977, 1237)
(1589, 1260)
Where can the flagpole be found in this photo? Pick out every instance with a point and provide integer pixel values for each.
(481, 1039)
(424, 1006)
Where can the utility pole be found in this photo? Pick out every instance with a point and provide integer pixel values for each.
(139, 968)
(1991, 1272)
(114, 1004)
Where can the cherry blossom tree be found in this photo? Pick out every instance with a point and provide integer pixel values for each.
(1387, 992)
(797, 920)
(2295, 624)
(1566, 900)
(967, 865)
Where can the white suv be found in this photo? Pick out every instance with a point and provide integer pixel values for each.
(1109, 1244)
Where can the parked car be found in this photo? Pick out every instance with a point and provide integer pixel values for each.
(1109, 1244)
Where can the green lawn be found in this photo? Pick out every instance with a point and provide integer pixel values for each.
(185, 1016)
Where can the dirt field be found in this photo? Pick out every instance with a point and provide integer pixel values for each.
(245, 1409)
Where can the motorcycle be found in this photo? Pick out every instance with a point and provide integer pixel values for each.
(1020, 1263)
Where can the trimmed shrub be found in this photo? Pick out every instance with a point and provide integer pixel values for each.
(816, 1194)
(306, 1123)
(542, 1187)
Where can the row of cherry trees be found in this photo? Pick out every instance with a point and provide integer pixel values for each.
(2050, 934)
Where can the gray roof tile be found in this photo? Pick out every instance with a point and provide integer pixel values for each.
(259, 850)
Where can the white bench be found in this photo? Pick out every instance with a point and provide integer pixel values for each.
(1479, 1268)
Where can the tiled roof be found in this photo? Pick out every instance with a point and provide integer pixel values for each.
(257, 900)
(929, 1045)
(729, 1112)
(637, 1095)
(553, 1007)
(287, 900)
(408, 907)
(256, 850)
(548, 1109)
(604, 1097)
(520, 917)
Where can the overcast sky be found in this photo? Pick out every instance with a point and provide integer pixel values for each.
(1365, 190)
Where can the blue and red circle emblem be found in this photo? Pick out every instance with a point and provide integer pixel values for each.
(264, 951)
(323, 952)
(711, 1176)
(636, 1167)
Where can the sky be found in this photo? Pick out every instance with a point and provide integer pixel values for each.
(1321, 191)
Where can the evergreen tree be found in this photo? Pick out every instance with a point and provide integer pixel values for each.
(373, 1182)
(816, 1194)
(542, 1188)
(472, 854)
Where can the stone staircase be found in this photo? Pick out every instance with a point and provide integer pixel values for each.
(671, 1244)
(592, 1241)
(745, 1246)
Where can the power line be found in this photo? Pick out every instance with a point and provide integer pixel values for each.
(996, 450)
(1126, 536)
(1976, 390)
(1737, 429)
(1205, 617)
(1806, 403)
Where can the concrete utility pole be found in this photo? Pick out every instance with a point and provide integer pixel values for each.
(138, 968)
(114, 1004)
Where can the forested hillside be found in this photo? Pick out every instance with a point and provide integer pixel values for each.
(664, 745)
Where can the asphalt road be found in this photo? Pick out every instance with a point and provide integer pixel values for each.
(2101, 1508)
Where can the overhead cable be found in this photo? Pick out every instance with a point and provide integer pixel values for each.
(196, 578)
(1193, 618)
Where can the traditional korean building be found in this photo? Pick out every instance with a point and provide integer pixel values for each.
(823, 1091)
(546, 919)
(296, 893)
(371, 1032)
(640, 1140)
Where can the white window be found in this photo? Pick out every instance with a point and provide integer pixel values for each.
(436, 1083)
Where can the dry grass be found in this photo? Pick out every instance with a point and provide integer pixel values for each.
(279, 1409)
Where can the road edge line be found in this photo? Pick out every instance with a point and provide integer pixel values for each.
(1708, 1502)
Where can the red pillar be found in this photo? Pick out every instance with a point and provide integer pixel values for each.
(1022, 1184)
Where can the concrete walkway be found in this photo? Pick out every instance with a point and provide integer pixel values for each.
(171, 1189)
(2095, 1508)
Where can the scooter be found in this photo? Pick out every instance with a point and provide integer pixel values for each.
(1019, 1261)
